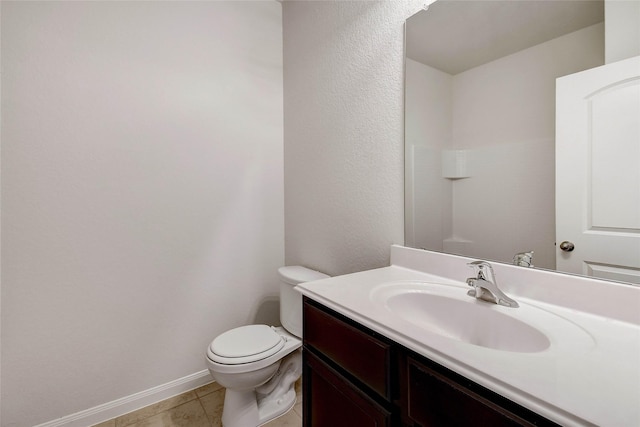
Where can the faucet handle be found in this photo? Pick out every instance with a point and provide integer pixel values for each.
(479, 264)
(480, 267)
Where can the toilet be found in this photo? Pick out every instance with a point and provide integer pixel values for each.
(259, 364)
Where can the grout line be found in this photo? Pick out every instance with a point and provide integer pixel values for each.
(197, 397)
(179, 400)
(206, 414)
(161, 408)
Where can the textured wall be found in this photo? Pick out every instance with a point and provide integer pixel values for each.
(142, 198)
(344, 155)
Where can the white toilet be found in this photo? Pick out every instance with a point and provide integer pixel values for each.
(259, 364)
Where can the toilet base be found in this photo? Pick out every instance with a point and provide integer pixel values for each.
(251, 408)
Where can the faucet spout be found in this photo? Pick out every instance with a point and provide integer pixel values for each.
(485, 286)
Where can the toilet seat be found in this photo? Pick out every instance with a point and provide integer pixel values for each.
(245, 344)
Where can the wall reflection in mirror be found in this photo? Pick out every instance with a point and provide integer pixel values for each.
(480, 131)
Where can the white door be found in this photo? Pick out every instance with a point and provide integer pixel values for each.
(598, 172)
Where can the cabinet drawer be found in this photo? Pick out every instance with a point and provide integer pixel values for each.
(332, 401)
(364, 357)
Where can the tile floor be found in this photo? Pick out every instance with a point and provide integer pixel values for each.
(201, 407)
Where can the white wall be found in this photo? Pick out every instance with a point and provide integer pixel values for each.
(343, 100)
(622, 29)
(142, 192)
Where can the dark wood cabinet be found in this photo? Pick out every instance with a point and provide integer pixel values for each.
(347, 374)
(355, 377)
(336, 402)
(434, 400)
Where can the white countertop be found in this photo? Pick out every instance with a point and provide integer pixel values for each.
(593, 378)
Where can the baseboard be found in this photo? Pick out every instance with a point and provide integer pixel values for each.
(116, 408)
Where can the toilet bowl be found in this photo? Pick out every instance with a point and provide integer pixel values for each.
(259, 364)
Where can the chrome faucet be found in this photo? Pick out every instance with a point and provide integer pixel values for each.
(523, 259)
(485, 287)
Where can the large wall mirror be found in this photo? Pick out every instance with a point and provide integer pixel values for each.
(480, 134)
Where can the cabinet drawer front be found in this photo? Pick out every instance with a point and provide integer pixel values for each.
(363, 356)
(332, 401)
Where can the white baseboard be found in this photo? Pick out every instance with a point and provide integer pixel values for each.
(116, 408)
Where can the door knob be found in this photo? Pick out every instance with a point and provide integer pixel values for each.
(567, 246)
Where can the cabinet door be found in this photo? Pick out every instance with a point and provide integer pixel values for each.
(331, 401)
(434, 400)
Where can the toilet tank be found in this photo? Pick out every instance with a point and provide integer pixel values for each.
(290, 299)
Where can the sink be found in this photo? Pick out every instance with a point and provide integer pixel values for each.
(469, 321)
(447, 311)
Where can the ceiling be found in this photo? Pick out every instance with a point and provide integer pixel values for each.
(456, 35)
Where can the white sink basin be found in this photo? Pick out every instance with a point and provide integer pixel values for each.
(447, 311)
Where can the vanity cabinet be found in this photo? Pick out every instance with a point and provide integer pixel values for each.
(355, 377)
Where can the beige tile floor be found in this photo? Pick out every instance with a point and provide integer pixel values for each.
(201, 407)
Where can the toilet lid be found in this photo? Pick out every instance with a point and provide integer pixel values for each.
(245, 344)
